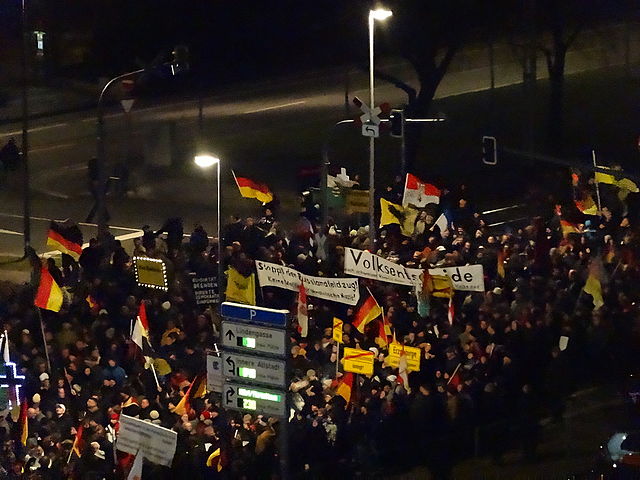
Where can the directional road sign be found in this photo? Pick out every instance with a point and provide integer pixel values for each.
(370, 130)
(236, 396)
(256, 369)
(253, 339)
(250, 313)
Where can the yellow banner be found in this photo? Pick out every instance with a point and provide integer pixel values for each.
(358, 361)
(412, 353)
(337, 329)
(356, 201)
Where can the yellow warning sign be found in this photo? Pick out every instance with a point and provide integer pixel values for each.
(358, 361)
(337, 329)
(413, 357)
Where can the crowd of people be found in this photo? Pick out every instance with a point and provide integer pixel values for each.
(496, 368)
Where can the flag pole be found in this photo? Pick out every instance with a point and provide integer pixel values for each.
(155, 375)
(235, 178)
(593, 157)
(44, 340)
(454, 373)
(337, 358)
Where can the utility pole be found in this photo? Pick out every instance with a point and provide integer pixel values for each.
(529, 73)
(26, 180)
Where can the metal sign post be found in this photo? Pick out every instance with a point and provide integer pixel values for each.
(254, 351)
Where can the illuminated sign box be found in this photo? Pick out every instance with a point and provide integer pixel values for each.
(150, 272)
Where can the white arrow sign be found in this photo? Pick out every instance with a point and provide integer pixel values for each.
(255, 399)
(253, 339)
(257, 369)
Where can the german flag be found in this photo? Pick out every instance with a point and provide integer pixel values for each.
(49, 294)
(24, 423)
(197, 389)
(369, 311)
(93, 304)
(501, 257)
(214, 459)
(587, 206)
(568, 227)
(250, 189)
(345, 386)
(66, 239)
(78, 443)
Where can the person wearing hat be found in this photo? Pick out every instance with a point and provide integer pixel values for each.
(62, 421)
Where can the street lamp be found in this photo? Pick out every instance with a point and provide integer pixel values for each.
(204, 161)
(379, 14)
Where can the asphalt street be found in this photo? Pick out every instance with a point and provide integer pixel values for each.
(268, 131)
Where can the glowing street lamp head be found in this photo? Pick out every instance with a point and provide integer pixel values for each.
(380, 14)
(205, 160)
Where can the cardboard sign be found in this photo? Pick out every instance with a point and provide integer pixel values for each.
(150, 272)
(205, 290)
(341, 290)
(337, 329)
(157, 444)
(356, 201)
(468, 278)
(364, 264)
(412, 353)
(358, 361)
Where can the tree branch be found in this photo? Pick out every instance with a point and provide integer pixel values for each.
(396, 82)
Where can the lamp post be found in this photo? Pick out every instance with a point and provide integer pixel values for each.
(379, 14)
(26, 180)
(101, 194)
(204, 161)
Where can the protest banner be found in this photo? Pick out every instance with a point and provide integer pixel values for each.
(337, 330)
(358, 361)
(341, 290)
(157, 444)
(205, 290)
(356, 201)
(361, 263)
(469, 278)
(412, 354)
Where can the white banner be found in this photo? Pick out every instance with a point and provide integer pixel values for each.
(361, 263)
(468, 278)
(157, 444)
(364, 264)
(342, 290)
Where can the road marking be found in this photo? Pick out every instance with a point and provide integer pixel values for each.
(62, 220)
(36, 129)
(90, 119)
(10, 232)
(284, 105)
(496, 210)
(52, 147)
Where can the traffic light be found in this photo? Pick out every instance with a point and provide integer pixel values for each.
(396, 118)
(489, 150)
